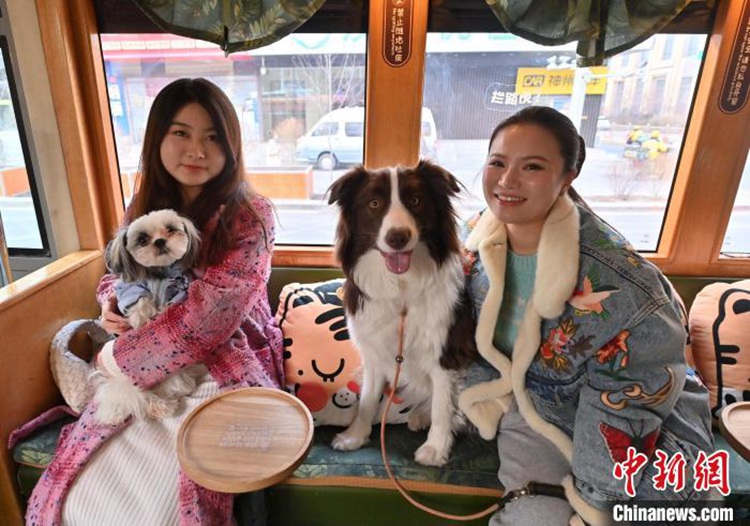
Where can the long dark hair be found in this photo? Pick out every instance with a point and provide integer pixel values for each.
(156, 188)
(572, 146)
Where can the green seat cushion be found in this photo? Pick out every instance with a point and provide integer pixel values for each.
(473, 462)
(350, 488)
(34, 453)
(357, 480)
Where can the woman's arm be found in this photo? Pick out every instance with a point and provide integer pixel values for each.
(634, 382)
(106, 288)
(111, 318)
(187, 332)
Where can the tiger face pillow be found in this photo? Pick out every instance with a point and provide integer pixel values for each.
(322, 366)
(720, 338)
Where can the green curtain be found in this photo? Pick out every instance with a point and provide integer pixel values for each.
(603, 28)
(235, 25)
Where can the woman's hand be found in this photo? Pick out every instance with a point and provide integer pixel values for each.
(111, 320)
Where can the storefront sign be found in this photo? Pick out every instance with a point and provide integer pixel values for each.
(734, 91)
(543, 81)
(397, 32)
(498, 98)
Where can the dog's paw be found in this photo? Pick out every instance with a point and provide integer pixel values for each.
(160, 408)
(418, 420)
(348, 442)
(116, 398)
(428, 455)
(140, 313)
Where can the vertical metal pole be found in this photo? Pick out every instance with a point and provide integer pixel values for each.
(580, 82)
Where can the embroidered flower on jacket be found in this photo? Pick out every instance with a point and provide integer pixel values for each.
(468, 258)
(615, 353)
(589, 298)
(554, 350)
(614, 241)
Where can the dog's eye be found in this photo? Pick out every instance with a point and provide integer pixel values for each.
(414, 201)
(142, 240)
(374, 204)
(171, 229)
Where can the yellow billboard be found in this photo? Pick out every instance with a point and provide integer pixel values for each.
(543, 81)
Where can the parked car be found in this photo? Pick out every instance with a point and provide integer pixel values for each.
(338, 138)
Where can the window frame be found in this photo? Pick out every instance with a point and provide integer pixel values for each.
(709, 165)
(709, 168)
(72, 53)
(28, 151)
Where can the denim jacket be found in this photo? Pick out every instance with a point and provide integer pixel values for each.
(598, 364)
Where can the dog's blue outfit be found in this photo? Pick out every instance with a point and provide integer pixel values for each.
(128, 293)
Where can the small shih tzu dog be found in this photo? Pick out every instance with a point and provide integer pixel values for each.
(152, 257)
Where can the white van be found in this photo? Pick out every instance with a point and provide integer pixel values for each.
(338, 138)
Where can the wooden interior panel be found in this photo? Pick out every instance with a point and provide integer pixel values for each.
(76, 73)
(32, 310)
(393, 111)
(289, 256)
(710, 169)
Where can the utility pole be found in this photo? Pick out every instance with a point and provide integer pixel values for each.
(581, 78)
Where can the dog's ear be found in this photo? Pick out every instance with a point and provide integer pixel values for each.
(345, 187)
(437, 175)
(118, 259)
(190, 258)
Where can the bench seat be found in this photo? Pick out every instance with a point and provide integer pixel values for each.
(332, 488)
(344, 487)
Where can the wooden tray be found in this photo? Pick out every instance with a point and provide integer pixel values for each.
(244, 440)
(735, 426)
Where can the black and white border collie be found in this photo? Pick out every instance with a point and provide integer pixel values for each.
(398, 245)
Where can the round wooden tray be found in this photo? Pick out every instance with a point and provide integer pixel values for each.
(244, 440)
(735, 426)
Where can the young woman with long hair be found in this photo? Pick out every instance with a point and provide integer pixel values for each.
(128, 473)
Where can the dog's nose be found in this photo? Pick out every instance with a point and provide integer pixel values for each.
(160, 243)
(397, 238)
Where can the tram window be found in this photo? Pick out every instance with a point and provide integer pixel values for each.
(632, 112)
(736, 240)
(302, 83)
(20, 208)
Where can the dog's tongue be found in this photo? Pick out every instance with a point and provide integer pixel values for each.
(397, 262)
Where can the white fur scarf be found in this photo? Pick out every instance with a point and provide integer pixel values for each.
(556, 277)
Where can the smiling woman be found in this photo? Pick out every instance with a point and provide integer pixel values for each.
(525, 173)
(190, 151)
(192, 163)
(538, 250)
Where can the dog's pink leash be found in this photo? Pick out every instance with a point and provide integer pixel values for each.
(508, 497)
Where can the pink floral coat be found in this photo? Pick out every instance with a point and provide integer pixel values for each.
(225, 323)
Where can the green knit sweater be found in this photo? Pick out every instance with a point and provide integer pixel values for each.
(519, 285)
